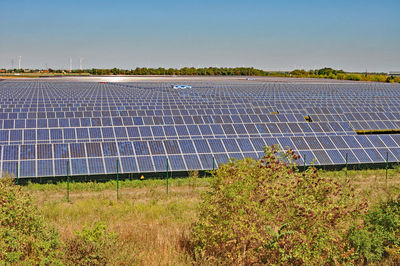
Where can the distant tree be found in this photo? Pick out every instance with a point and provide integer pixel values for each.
(115, 71)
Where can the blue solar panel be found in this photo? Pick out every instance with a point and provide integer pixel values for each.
(145, 164)
(231, 145)
(140, 124)
(221, 158)
(374, 155)
(245, 145)
(79, 167)
(129, 164)
(44, 151)
(187, 146)
(96, 165)
(45, 168)
(27, 168)
(77, 150)
(335, 156)
(160, 163)
(177, 163)
(216, 145)
(172, 147)
(125, 148)
(192, 162)
(11, 152)
(93, 149)
(111, 165)
(10, 167)
(349, 155)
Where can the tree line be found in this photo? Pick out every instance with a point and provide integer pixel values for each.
(326, 73)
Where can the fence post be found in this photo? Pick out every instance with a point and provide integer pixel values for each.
(167, 175)
(213, 164)
(117, 181)
(304, 165)
(346, 167)
(17, 172)
(387, 166)
(68, 181)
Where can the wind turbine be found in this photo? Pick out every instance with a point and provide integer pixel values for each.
(70, 64)
(80, 63)
(19, 62)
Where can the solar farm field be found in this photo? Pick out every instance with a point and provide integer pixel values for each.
(97, 128)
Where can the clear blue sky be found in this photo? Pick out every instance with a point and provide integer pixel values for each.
(272, 35)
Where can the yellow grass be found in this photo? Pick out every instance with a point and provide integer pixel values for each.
(151, 224)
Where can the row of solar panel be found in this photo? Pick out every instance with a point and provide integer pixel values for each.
(142, 113)
(138, 121)
(318, 127)
(156, 95)
(136, 109)
(195, 146)
(260, 98)
(173, 101)
(186, 162)
(265, 90)
(180, 131)
(165, 109)
(356, 117)
(346, 109)
(151, 120)
(116, 117)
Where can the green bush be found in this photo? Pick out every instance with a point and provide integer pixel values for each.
(353, 77)
(266, 211)
(379, 237)
(24, 236)
(91, 246)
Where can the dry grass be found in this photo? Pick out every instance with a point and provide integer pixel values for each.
(149, 223)
(371, 184)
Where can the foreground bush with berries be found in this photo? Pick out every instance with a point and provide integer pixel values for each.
(267, 211)
(24, 237)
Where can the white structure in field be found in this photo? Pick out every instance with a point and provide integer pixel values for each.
(181, 87)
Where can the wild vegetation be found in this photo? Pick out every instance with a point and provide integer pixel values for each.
(329, 73)
(266, 212)
(24, 236)
(250, 211)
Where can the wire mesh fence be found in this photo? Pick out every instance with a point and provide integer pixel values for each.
(168, 173)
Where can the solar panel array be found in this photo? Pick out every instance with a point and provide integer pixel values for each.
(93, 126)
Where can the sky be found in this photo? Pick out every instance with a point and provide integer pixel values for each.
(271, 35)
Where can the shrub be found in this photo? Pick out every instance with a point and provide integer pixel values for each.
(353, 77)
(376, 78)
(266, 211)
(24, 236)
(91, 246)
(379, 237)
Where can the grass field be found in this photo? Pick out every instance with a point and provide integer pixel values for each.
(151, 224)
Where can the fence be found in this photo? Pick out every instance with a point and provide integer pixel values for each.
(168, 173)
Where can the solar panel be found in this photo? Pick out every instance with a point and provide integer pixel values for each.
(44, 125)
